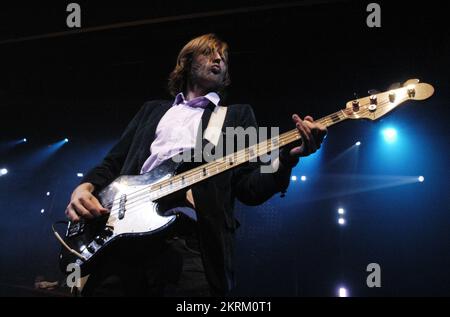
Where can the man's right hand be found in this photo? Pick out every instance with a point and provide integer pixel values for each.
(83, 204)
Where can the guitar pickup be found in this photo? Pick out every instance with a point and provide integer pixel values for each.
(122, 202)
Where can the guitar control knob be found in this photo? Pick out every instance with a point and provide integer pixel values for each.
(99, 240)
(91, 248)
(108, 231)
(355, 105)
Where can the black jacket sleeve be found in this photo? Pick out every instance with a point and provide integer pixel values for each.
(109, 169)
(251, 186)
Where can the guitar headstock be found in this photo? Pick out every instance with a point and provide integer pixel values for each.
(377, 105)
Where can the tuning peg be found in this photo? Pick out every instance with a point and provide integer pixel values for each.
(395, 86)
(373, 92)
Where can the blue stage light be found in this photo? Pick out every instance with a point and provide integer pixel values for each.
(390, 135)
(3, 171)
(303, 178)
(358, 143)
(66, 140)
(341, 221)
(42, 210)
(80, 175)
(24, 140)
(421, 179)
(293, 178)
(341, 211)
(48, 194)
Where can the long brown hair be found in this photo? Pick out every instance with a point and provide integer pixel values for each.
(204, 44)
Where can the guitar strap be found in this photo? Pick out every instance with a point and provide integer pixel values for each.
(214, 129)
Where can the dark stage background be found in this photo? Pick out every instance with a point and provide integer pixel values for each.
(308, 57)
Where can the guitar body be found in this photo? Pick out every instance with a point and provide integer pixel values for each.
(133, 215)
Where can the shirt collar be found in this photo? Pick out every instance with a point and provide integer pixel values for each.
(200, 102)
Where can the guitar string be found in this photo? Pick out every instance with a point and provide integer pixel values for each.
(219, 161)
(221, 164)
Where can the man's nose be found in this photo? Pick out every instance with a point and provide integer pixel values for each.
(216, 58)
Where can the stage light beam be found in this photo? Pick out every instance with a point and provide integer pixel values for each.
(421, 179)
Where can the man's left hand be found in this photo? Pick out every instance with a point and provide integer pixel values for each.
(312, 134)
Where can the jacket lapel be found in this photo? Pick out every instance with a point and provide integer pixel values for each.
(206, 116)
(201, 130)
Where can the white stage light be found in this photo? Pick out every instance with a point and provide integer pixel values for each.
(343, 292)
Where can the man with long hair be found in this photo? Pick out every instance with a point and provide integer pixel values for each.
(198, 260)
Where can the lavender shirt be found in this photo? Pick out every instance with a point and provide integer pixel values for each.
(177, 130)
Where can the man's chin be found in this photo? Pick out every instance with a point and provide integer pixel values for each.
(213, 85)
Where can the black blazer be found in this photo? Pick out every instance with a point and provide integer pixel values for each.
(214, 198)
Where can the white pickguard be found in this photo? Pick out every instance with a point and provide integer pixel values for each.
(140, 216)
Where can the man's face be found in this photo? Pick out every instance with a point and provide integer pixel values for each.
(208, 71)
